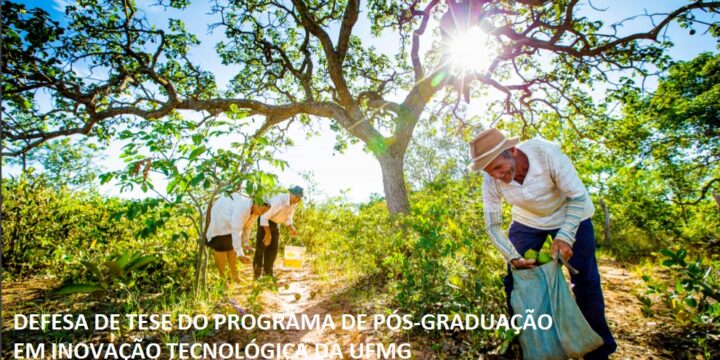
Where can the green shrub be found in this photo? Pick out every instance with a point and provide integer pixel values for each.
(49, 231)
(692, 295)
(345, 239)
(115, 278)
(436, 259)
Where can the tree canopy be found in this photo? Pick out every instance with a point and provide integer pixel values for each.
(676, 130)
(105, 67)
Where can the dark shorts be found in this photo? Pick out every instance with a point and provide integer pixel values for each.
(221, 243)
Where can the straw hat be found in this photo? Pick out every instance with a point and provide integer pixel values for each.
(485, 147)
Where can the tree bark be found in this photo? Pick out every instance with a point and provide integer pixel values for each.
(203, 270)
(716, 196)
(606, 221)
(198, 263)
(394, 183)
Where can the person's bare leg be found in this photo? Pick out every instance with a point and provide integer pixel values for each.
(232, 261)
(220, 262)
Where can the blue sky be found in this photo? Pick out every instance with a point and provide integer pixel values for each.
(356, 173)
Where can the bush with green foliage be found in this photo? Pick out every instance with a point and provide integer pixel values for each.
(695, 295)
(45, 227)
(49, 231)
(692, 295)
(114, 278)
(436, 259)
(345, 239)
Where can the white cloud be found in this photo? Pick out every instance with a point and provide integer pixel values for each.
(60, 5)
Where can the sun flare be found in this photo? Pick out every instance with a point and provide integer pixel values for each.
(470, 51)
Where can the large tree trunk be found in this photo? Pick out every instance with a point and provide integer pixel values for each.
(394, 183)
(716, 196)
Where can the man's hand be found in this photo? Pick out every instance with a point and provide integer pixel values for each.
(563, 248)
(292, 231)
(267, 238)
(523, 263)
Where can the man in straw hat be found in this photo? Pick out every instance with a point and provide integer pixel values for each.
(547, 198)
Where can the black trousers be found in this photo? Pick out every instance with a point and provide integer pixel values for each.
(265, 255)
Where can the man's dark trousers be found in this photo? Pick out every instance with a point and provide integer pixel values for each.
(586, 284)
(265, 255)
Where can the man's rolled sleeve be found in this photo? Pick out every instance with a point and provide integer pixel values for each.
(567, 180)
(575, 208)
(492, 211)
(493, 226)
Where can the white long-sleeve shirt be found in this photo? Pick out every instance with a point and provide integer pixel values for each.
(228, 216)
(552, 196)
(281, 211)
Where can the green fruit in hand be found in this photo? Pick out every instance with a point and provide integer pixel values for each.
(544, 258)
(531, 255)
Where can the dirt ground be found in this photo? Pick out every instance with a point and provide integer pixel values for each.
(638, 337)
(303, 292)
(635, 334)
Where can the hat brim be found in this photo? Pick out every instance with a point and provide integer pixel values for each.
(481, 163)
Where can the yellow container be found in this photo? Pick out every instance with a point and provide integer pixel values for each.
(294, 256)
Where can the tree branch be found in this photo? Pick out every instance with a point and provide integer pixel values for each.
(703, 192)
(415, 50)
(349, 19)
(334, 62)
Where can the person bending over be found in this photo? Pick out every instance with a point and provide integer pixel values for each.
(282, 208)
(231, 220)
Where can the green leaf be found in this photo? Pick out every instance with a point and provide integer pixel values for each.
(140, 262)
(691, 302)
(681, 254)
(124, 259)
(104, 178)
(197, 179)
(667, 253)
(92, 267)
(197, 152)
(115, 269)
(80, 289)
(171, 185)
(678, 287)
(125, 134)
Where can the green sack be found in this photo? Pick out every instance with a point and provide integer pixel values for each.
(544, 290)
